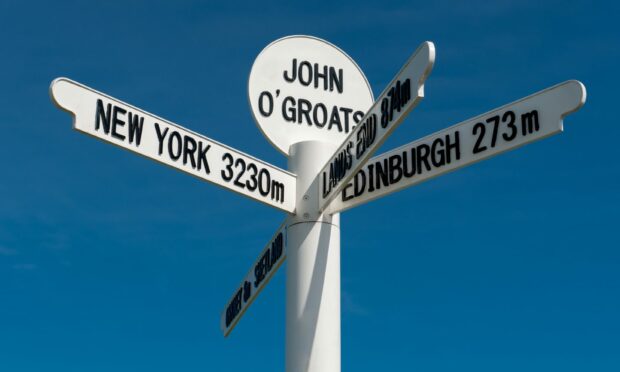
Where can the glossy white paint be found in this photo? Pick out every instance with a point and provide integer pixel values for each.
(551, 106)
(220, 164)
(310, 235)
(326, 81)
(412, 77)
(263, 269)
(312, 270)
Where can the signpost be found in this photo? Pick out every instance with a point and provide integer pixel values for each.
(133, 129)
(313, 103)
(505, 128)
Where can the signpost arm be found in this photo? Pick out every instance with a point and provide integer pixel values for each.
(313, 270)
(403, 93)
(508, 127)
(131, 128)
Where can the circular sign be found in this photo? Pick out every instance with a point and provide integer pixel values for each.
(302, 88)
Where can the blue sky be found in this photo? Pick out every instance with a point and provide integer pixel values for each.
(109, 261)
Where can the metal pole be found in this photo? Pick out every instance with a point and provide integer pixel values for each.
(312, 270)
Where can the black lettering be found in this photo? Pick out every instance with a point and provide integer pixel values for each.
(382, 174)
(423, 151)
(189, 147)
(335, 120)
(384, 112)
(135, 128)
(227, 173)
(276, 248)
(345, 196)
(202, 157)
(318, 122)
(349, 157)
(318, 75)
(409, 172)
(510, 116)
(395, 100)
(174, 155)
(303, 110)
(290, 79)
(456, 146)
(371, 184)
(326, 185)
(371, 129)
(239, 163)
(308, 68)
(289, 113)
(260, 270)
(529, 122)
(160, 138)
(438, 156)
(263, 174)
(360, 183)
(346, 112)
(117, 121)
(338, 167)
(102, 116)
(396, 172)
(277, 191)
(406, 92)
(261, 103)
(234, 307)
(274, 252)
(479, 127)
(371, 124)
(335, 79)
(252, 182)
(495, 121)
(247, 291)
(361, 143)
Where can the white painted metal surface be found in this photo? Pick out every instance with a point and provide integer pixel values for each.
(131, 128)
(268, 262)
(302, 73)
(529, 119)
(312, 272)
(401, 95)
(302, 88)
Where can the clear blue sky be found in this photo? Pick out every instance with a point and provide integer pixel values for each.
(111, 262)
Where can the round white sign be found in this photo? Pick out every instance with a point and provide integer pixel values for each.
(302, 88)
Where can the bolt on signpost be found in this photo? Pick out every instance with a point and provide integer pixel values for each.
(314, 104)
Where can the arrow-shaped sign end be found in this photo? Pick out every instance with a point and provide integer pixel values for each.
(428, 48)
(576, 95)
(58, 90)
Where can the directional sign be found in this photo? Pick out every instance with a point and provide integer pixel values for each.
(268, 262)
(136, 130)
(302, 88)
(529, 119)
(402, 94)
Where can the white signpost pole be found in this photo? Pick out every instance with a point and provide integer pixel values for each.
(307, 96)
(313, 269)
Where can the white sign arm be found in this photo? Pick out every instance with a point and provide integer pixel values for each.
(268, 262)
(529, 119)
(131, 128)
(403, 93)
